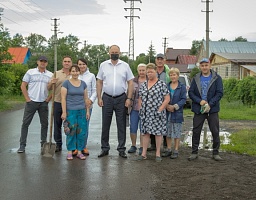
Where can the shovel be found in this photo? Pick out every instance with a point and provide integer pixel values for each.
(49, 148)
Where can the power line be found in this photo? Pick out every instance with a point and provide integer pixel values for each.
(20, 8)
(131, 34)
(15, 12)
(42, 8)
(34, 10)
(11, 20)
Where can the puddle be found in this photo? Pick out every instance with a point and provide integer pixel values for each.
(224, 138)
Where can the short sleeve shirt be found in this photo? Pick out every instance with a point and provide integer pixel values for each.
(37, 84)
(115, 77)
(75, 95)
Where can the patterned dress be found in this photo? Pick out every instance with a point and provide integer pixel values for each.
(152, 121)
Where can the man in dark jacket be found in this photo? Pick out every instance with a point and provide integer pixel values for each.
(205, 91)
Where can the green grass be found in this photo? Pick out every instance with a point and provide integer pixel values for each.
(231, 110)
(235, 110)
(8, 102)
(242, 142)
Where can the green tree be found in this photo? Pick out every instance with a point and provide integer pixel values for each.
(240, 39)
(193, 72)
(37, 43)
(196, 44)
(151, 53)
(17, 40)
(223, 40)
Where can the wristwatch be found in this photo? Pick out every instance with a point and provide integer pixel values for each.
(130, 99)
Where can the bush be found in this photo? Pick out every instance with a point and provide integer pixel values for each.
(19, 71)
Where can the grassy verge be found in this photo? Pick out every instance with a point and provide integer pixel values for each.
(242, 142)
(236, 111)
(8, 102)
(232, 110)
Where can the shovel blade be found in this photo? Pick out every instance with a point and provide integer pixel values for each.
(48, 149)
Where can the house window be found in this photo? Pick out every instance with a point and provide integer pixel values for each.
(226, 74)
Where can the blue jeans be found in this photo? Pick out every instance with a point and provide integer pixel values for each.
(77, 124)
(134, 121)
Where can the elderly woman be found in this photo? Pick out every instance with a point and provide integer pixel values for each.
(74, 112)
(134, 114)
(154, 97)
(175, 109)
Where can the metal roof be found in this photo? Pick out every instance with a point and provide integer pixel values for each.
(186, 59)
(171, 54)
(231, 47)
(238, 57)
(250, 67)
(18, 54)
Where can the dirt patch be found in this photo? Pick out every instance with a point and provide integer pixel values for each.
(204, 178)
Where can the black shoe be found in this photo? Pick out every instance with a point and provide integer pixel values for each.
(103, 153)
(58, 149)
(122, 154)
(167, 154)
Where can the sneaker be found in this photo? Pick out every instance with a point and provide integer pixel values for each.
(174, 155)
(85, 151)
(167, 154)
(132, 149)
(217, 158)
(158, 159)
(21, 149)
(192, 157)
(140, 151)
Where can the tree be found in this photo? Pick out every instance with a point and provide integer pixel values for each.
(193, 72)
(36, 43)
(196, 44)
(5, 41)
(240, 39)
(151, 53)
(223, 40)
(17, 40)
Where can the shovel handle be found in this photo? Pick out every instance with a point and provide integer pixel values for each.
(52, 110)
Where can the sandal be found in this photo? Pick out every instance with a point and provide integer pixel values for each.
(81, 156)
(140, 158)
(69, 156)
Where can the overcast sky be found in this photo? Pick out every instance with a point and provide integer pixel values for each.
(103, 21)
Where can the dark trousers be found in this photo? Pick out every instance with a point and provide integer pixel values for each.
(29, 112)
(57, 123)
(153, 141)
(118, 105)
(213, 121)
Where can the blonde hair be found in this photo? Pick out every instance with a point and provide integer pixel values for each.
(141, 65)
(151, 66)
(174, 70)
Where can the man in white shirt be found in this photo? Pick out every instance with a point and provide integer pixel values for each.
(37, 99)
(113, 78)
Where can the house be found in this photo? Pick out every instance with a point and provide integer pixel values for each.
(20, 55)
(185, 59)
(172, 54)
(226, 47)
(234, 65)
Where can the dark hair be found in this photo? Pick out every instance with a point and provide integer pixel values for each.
(74, 66)
(66, 57)
(82, 60)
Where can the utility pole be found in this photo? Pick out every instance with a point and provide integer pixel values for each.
(55, 29)
(131, 34)
(207, 26)
(165, 44)
(1, 10)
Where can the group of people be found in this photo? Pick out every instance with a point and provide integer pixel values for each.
(154, 100)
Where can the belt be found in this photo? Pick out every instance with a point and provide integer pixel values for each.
(113, 96)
